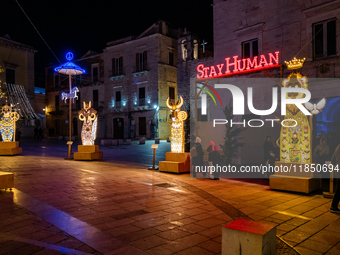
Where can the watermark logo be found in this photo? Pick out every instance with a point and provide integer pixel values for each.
(238, 100)
(204, 98)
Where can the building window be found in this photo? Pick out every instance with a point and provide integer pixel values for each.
(117, 66)
(250, 48)
(95, 98)
(118, 99)
(171, 58)
(10, 76)
(195, 49)
(56, 103)
(172, 94)
(324, 43)
(141, 96)
(78, 102)
(141, 61)
(95, 73)
(56, 80)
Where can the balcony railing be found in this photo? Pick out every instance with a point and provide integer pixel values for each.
(118, 104)
(141, 102)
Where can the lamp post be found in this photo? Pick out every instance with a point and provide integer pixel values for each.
(69, 69)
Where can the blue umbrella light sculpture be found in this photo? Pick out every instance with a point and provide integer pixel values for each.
(70, 69)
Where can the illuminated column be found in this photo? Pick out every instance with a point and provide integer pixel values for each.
(7, 124)
(177, 125)
(89, 129)
(296, 134)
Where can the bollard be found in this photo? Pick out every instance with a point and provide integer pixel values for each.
(154, 147)
(248, 237)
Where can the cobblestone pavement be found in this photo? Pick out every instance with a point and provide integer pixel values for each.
(74, 207)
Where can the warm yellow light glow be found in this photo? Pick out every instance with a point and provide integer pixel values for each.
(177, 125)
(7, 123)
(89, 130)
(295, 144)
(295, 63)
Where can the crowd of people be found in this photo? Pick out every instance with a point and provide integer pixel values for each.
(214, 158)
(38, 133)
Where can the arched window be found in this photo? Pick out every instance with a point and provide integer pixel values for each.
(195, 49)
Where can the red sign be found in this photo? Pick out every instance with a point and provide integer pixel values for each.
(239, 66)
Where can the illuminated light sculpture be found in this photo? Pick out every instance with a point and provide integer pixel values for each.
(89, 130)
(69, 69)
(176, 161)
(295, 141)
(72, 94)
(295, 63)
(7, 123)
(177, 125)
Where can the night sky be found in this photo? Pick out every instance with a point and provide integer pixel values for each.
(79, 26)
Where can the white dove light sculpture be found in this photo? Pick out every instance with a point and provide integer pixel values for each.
(316, 108)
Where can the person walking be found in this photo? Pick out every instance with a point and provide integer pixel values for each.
(197, 160)
(269, 155)
(216, 160)
(210, 149)
(36, 133)
(321, 151)
(336, 199)
(40, 134)
(17, 134)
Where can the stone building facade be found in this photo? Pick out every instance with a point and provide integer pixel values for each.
(131, 81)
(140, 74)
(17, 60)
(302, 29)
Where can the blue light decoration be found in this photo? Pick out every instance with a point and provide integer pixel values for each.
(72, 94)
(69, 67)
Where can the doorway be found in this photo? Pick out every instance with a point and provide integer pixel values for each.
(118, 128)
(142, 126)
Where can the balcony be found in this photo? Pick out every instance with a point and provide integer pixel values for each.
(141, 102)
(119, 104)
(116, 75)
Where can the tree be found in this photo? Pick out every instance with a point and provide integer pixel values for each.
(232, 140)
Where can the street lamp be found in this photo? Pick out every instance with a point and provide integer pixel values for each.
(69, 69)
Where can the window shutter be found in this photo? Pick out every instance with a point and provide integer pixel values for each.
(137, 62)
(145, 60)
(121, 65)
(113, 67)
(331, 38)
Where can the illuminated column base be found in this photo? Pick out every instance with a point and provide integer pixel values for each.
(175, 163)
(10, 148)
(304, 182)
(6, 180)
(88, 152)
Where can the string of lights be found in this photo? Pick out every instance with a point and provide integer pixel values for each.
(18, 98)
